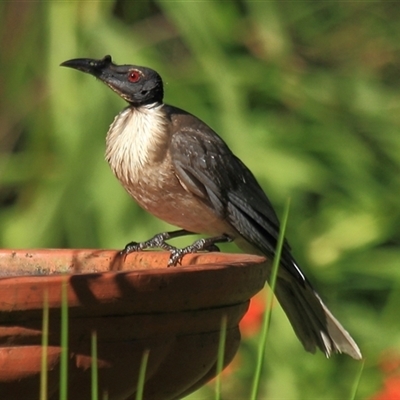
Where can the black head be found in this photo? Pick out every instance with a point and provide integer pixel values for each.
(137, 85)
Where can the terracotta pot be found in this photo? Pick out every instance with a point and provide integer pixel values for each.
(133, 306)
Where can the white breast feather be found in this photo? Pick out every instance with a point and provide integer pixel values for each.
(137, 138)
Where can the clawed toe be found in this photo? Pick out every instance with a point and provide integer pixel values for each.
(175, 257)
(176, 254)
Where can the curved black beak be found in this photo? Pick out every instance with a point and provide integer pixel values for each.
(89, 65)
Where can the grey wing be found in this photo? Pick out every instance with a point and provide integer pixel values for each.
(208, 168)
(211, 172)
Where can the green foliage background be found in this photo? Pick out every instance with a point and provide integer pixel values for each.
(307, 94)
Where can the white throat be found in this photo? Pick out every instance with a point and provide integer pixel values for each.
(137, 137)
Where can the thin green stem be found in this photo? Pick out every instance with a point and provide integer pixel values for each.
(268, 310)
(45, 345)
(221, 357)
(357, 382)
(142, 375)
(64, 342)
(95, 393)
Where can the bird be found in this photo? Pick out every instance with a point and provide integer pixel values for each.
(180, 170)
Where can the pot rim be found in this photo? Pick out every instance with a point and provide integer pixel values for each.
(142, 284)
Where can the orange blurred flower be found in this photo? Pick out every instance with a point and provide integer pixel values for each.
(252, 320)
(391, 389)
(390, 366)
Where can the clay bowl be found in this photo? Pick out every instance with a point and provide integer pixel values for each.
(134, 305)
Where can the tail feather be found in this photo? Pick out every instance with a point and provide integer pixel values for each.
(311, 320)
(313, 323)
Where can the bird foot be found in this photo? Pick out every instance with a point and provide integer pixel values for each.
(205, 244)
(159, 241)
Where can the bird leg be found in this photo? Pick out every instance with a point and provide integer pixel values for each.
(205, 244)
(158, 240)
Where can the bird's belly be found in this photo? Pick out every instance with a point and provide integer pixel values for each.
(164, 197)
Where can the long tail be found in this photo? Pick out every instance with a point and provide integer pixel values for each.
(311, 320)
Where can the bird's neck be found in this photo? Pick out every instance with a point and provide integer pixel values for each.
(138, 137)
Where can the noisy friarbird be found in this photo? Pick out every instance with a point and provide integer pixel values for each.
(178, 169)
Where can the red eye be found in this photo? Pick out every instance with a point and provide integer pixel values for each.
(133, 76)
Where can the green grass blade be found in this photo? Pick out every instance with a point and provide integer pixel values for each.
(221, 356)
(45, 344)
(64, 342)
(142, 375)
(357, 382)
(268, 310)
(95, 380)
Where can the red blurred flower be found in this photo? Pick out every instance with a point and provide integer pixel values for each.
(390, 366)
(252, 320)
(391, 389)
